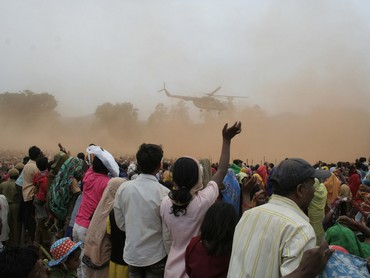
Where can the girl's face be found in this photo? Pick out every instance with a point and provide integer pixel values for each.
(74, 261)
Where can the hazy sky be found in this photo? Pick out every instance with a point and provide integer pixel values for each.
(285, 55)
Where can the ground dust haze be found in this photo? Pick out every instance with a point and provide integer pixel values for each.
(328, 134)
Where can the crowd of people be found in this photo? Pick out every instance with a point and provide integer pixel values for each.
(90, 215)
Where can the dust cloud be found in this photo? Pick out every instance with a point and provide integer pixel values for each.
(325, 133)
(305, 66)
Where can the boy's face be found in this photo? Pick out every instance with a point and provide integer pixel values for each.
(74, 261)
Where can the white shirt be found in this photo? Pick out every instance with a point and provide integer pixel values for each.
(269, 240)
(136, 210)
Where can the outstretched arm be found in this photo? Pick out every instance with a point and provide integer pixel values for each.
(227, 134)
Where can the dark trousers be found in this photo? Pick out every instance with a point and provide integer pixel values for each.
(151, 271)
(29, 222)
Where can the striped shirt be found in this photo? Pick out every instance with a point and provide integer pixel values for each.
(269, 240)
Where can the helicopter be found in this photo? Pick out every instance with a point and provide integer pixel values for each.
(207, 102)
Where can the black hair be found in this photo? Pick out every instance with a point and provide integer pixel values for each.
(81, 156)
(237, 161)
(124, 166)
(25, 160)
(98, 166)
(168, 184)
(185, 175)
(42, 163)
(149, 157)
(18, 261)
(253, 192)
(165, 165)
(217, 229)
(34, 152)
(362, 159)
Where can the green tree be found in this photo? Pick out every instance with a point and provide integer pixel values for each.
(180, 113)
(119, 114)
(159, 116)
(27, 105)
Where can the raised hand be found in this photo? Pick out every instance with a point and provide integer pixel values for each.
(229, 132)
(250, 184)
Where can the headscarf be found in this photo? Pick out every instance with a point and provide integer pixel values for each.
(345, 237)
(106, 158)
(333, 186)
(262, 171)
(243, 169)
(345, 191)
(241, 176)
(60, 192)
(354, 182)
(235, 168)
(316, 210)
(260, 180)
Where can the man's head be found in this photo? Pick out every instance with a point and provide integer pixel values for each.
(13, 174)
(149, 158)
(294, 177)
(42, 163)
(34, 152)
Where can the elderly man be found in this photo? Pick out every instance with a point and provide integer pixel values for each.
(270, 240)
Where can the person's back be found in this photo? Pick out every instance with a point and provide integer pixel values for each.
(136, 210)
(9, 189)
(94, 186)
(183, 227)
(95, 181)
(270, 239)
(97, 246)
(29, 171)
(208, 255)
(184, 209)
(145, 194)
(28, 192)
(280, 224)
(40, 180)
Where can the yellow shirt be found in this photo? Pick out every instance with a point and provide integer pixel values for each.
(269, 240)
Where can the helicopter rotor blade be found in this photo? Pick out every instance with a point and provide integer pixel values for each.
(214, 91)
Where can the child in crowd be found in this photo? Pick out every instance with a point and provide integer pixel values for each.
(66, 258)
(208, 255)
